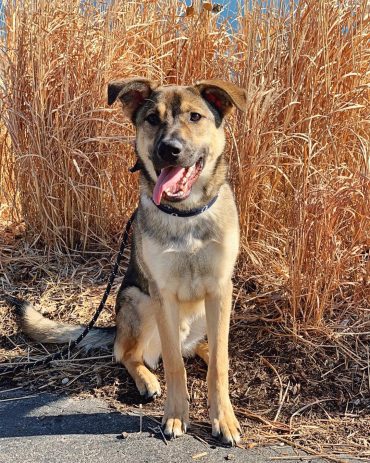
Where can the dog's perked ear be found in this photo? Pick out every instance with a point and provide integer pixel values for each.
(222, 96)
(131, 92)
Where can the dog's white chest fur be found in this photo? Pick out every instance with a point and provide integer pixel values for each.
(184, 268)
(189, 266)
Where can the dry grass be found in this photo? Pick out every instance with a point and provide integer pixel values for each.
(299, 158)
(300, 168)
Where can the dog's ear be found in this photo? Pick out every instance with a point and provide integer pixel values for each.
(131, 92)
(223, 96)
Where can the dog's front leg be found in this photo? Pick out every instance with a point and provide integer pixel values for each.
(218, 308)
(176, 412)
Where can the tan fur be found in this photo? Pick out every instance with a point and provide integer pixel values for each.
(35, 325)
(41, 329)
(178, 285)
(184, 292)
(237, 95)
(202, 351)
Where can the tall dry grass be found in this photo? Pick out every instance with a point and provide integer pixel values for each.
(299, 157)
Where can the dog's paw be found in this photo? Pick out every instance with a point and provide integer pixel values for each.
(225, 426)
(176, 417)
(175, 427)
(148, 385)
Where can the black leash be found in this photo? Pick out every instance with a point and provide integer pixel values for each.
(66, 350)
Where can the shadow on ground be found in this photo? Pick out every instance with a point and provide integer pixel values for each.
(47, 415)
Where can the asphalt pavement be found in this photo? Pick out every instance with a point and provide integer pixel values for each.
(49, 428)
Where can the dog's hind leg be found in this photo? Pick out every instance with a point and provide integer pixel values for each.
(202, 351)
(134, 331)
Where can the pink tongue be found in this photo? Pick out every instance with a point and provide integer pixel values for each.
(168, 177)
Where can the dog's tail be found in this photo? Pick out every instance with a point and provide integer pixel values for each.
(42, 329)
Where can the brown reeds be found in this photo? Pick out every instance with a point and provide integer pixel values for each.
(299, 157)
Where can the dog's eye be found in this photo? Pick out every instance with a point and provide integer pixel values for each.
(153, 119)
(195, 117)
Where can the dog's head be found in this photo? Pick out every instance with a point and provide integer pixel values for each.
(180, 135)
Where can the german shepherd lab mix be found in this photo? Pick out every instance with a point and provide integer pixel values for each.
(185, 242)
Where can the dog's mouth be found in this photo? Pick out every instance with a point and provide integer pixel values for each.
(175, 183)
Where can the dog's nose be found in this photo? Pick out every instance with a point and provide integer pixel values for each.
(169, 150)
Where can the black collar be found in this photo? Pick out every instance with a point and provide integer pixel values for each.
(178, 213)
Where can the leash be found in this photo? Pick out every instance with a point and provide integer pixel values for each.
(66, 350)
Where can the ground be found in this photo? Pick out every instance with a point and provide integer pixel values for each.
(47, 428)
(310, 391)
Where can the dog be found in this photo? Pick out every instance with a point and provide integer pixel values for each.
(185, 242)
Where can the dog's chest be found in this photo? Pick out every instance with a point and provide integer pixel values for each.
(185, 265)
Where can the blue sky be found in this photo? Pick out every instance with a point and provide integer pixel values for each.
(230, 7)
